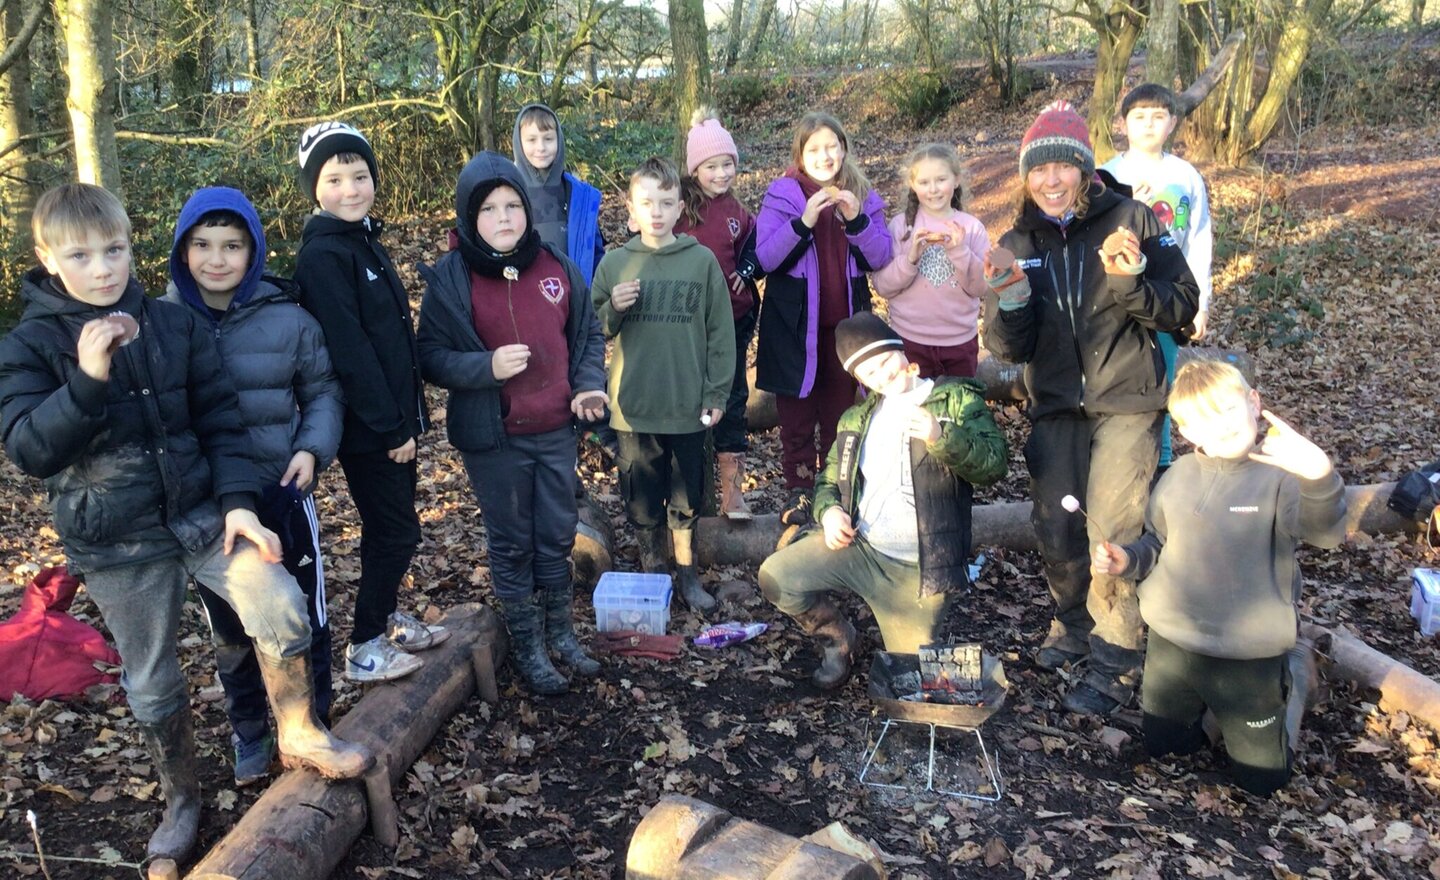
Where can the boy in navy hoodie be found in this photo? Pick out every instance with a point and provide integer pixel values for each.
(274, 353)
(349, 284)
(507, 326)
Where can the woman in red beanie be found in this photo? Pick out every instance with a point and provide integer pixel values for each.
(1095, 278)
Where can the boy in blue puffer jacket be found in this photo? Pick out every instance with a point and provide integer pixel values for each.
(290, 402)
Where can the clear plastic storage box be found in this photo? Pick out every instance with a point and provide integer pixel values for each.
(630, 600)
(1425, 599)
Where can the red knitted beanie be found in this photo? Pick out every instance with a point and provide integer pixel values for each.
(1059, 134)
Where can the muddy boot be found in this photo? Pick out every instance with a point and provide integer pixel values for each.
(654, 550)
(171, 743)
(732, 480)
(302, 740)
(526, 623)
(560, 631)
(837, 640)
(687, 578)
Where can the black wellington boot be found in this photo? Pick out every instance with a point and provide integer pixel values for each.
(560, 631)
(837, 639)
(526, 622)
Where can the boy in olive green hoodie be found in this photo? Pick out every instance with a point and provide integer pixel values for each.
(664, 300)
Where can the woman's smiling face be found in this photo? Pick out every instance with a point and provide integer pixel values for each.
(1054, 186)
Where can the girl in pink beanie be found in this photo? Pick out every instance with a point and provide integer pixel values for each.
(717, 219)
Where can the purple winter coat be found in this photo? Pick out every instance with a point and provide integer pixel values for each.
(786, 355)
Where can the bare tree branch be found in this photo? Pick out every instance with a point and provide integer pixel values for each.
(1206, 81)
(21, 43)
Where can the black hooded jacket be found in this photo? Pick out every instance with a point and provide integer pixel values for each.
(452, 354)
(139, 467)
(1088, 339)
(349, 284)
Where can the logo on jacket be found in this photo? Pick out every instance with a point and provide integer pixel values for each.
(370, 276)
(1245, 508)
(734, 227)
(1030, 263)
(553, 290)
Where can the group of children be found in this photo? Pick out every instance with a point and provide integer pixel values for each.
(181, 438)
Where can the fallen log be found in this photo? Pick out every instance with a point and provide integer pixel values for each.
(303, 825)
(719, 541)
(1004, 382)
(594, 540)
(685, 839)
(1401, 688)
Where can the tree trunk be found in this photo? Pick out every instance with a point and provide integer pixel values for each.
(757, 36)
(88, 26)
(1285, 65)
(1117, 33)
(1162, 34)
(17, 121)
(1417, 13)
(733, 39)
(252, 40)
(189, 28)
(689, 63)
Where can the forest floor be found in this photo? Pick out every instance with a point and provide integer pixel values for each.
(1325, 273)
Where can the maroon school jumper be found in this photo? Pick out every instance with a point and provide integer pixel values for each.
(530, 310)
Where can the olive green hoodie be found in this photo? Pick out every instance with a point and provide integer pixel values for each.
(675, 347)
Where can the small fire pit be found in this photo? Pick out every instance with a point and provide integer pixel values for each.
(895, 690)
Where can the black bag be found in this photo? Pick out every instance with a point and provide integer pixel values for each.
(1416, 494)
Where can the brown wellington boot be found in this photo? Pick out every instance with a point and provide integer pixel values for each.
(732, 480)
(837, 640)
(300, 738)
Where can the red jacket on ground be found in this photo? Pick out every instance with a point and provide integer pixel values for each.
(44, 652)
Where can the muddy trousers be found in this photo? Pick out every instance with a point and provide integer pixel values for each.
(1107, 462)
(1248, 698)
(141, 605)
(526, 491)
(795, 576)
(245, 702)
(662, 478)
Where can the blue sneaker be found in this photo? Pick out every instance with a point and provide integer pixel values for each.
(252, 759)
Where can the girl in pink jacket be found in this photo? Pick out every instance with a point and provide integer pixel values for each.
(936, 280)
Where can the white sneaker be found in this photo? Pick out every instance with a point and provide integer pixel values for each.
(411, 635)
(378, 660)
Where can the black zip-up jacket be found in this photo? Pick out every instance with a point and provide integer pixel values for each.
(452, 355)
(1088, 339)
(349, 284)
(139, 467)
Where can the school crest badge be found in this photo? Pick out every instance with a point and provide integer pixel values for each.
(552, 289)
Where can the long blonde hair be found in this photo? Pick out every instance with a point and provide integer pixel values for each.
(942, 153)
(850, 176)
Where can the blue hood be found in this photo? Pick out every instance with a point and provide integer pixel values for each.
(217, 198)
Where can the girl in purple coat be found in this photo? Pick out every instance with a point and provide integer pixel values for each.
(820, 229)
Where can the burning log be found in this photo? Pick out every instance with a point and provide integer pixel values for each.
(685, 839)
(1401, 688)
(303, 825)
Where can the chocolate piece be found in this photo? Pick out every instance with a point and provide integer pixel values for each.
(129, 326)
